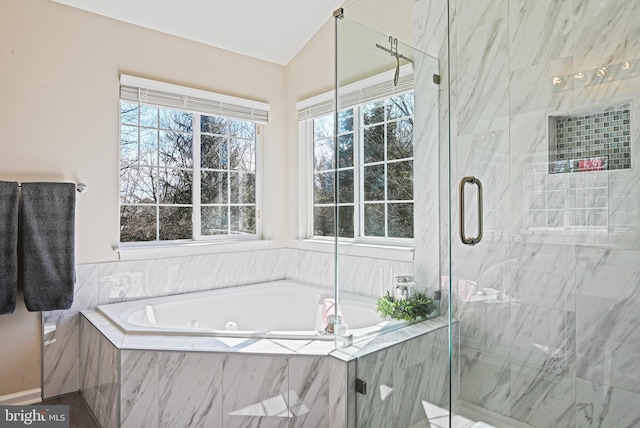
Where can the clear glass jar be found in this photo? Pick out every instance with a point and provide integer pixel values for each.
(404, 287)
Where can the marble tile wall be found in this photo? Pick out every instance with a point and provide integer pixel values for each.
(171, 389)
(394, 397)
(557, 346)
(99, 374)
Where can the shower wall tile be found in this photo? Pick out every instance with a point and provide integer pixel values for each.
(255, 392)
(426, 125)
(430, 34)
(608, 273)
(624, 207)
(486, 156)
(544, 274)
(486, 326)
(482, 292)
(609, 341)
(308, 395)
(474, 13)
(599, 44)
(430, 27)
(601, 406)
(533, 88)
(541, 398)
(485, 380)
(139, 390)
(528, 158)
(444, 241)
(543, 338)
(427, 264)
(483, 82)
(606, 32)
(539, 32)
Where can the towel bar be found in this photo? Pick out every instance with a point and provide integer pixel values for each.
(80, 187)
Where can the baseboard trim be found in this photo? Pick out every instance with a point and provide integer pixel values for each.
(22, 398)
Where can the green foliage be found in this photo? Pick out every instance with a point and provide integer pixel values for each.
(405, 309)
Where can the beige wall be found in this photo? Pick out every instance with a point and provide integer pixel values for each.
(59, 71)
(309, 73)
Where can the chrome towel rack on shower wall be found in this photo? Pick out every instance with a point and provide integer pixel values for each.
(80, 187)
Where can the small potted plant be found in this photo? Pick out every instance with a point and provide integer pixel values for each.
(408, 309)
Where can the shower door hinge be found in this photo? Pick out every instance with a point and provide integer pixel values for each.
(436, 79)
(437, 295)
(361, 386)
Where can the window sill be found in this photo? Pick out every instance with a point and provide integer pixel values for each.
(141, 251)
(386, 252)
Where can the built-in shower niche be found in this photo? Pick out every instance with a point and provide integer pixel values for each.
(590, 140)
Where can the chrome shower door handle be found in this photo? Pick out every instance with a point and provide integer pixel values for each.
(471, 180)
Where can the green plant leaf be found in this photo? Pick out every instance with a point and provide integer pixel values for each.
(405, 309)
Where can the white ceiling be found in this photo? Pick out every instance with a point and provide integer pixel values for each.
(271, 30)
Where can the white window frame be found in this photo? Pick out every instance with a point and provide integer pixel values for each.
(319, 106)
(200, 103)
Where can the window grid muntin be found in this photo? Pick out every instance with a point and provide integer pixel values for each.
(358, 177)
(195, 204)
(335, 170)
(386, 161)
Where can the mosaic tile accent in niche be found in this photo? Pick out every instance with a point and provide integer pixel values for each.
(588, 140)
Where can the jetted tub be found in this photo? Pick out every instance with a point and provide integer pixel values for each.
(275, 310)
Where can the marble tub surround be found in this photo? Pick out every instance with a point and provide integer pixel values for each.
(204, 344)
(61, 336)
(169, 381)
(390, 364)
(99, 374)
(202, 385)
(112, 282)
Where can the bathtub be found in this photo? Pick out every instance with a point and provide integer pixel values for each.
(274, 310)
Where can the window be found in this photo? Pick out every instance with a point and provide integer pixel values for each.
(185, 174)
(375, 192)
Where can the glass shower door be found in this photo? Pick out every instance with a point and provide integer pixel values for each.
(545, 114)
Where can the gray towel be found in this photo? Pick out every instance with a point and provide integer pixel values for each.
(48, 245)
(8, 246)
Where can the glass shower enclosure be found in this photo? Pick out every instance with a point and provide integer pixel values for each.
(391, 175)
(524, 204)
